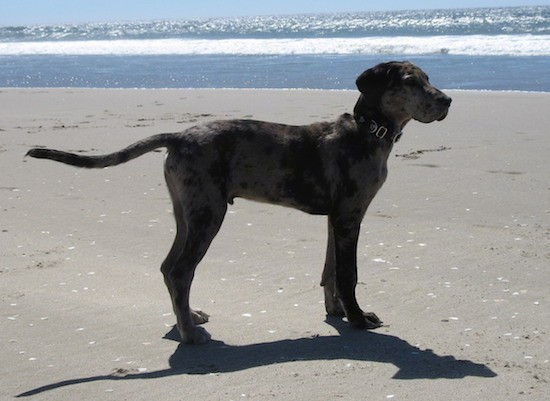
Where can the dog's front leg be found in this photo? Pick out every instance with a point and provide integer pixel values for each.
(333, 305)
(346, 236)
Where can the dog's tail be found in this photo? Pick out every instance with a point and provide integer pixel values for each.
(122, 156)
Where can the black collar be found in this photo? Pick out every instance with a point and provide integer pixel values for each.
(379, 130)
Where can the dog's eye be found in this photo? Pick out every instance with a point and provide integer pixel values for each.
(410, 80)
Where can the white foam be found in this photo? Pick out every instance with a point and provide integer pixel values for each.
(482, 45)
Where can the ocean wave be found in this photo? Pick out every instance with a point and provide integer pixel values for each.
(474, 45)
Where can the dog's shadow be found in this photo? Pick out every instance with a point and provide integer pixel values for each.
(363, 346)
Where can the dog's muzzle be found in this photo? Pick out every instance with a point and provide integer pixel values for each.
(445, 103)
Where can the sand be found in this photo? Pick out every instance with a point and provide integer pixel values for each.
(453, 256)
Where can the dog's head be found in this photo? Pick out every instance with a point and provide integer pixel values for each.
(401, 91)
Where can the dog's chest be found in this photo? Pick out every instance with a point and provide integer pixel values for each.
(362, 177)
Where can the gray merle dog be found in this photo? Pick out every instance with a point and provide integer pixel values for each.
(327, 168)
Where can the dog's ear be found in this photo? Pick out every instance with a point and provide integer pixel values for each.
(374, 81)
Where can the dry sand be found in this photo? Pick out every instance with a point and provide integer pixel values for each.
(454, 257)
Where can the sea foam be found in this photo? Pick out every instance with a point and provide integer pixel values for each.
(473, 45)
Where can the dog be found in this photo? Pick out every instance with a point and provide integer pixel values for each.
(326, 168)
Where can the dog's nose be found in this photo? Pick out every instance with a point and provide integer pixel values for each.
(446, 101)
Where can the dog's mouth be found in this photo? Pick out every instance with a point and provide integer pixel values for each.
(434, 117)
(443, 115)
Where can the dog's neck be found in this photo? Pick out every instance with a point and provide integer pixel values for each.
(371, 120)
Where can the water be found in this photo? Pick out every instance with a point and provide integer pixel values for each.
(494, 49)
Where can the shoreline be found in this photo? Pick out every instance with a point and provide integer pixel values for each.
(46, 88)
(453, 257)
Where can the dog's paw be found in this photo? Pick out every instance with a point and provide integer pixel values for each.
(199, 317)
(367, 320)
(372, 321)
(196, 336)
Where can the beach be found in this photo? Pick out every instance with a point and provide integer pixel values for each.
(453, 257)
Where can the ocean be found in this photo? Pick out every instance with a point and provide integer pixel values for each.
(481, 49)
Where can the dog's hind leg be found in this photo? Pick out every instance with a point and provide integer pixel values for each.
(201, 227)
(197, 225)
(328, 280)
(199, 317)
